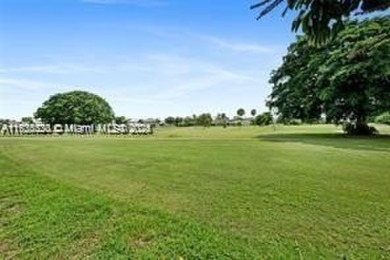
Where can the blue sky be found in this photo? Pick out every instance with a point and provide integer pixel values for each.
(147, 58)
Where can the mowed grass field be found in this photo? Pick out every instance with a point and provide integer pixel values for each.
(300, 192)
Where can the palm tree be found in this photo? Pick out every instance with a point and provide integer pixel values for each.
(253, 112)
(241, 112)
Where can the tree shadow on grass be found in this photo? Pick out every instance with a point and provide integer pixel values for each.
(379, 143)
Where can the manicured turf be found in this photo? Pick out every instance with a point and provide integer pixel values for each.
(301, 192)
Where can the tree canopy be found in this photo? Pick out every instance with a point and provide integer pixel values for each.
(345, 80)
(76, 107)
(321, 20)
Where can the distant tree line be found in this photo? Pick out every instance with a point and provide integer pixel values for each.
(221, 119)
(207, 120)
(78, 107)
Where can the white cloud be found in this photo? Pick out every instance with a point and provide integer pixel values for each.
(182, 76)
(147, 101)
(53, 69)
(150, 85)
(21, 97)
(7, 84)
(239, 46)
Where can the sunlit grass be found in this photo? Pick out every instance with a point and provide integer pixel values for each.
(245, 192)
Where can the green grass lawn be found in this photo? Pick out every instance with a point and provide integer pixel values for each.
(302, 192)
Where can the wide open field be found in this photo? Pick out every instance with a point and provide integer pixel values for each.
(300, 193)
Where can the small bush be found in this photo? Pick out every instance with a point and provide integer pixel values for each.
(383, 118)
(295, 122)
(263, 119)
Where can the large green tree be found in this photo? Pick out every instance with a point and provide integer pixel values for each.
(76, 107)
(320, 20)
(345, 80)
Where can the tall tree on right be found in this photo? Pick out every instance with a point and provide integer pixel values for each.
(345, 80)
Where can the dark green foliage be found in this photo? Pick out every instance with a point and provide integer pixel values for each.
(225, 120)
(189, 121)
(240, 112)
(5, 121)
(383, 118)
(204, 120)
(179, 121)
(263, 119)
(221, 120)
(322, 20)
(294, 93)
(359, 129)
(27, 120)
(169, 120)
(120, 120)
(293, 121)
(347, 80)
(253, 112)
(76, 107)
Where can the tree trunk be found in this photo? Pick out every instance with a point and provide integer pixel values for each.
(361, 126)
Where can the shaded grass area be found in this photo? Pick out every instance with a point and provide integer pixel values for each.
(367, 143)
(233, 133)
(299, 196)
